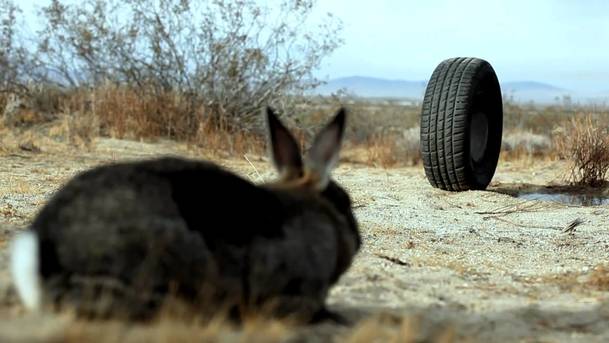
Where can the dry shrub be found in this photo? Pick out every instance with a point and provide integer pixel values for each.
(44, 98)
(381, 151)
(585, 143)
(20, 111)
(368, 118)
(534, 118)
(176, 321)
(391, 328)
(168, 330)
(173, 331)
(124, 113)
(599, 278)
(38, 104)
(18, 140)
(80, 129)
(392, 149)
(517, 144)
(222, 140)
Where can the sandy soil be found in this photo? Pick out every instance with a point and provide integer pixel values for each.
(482, 264)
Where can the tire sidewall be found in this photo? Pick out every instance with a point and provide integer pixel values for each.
(484, 95)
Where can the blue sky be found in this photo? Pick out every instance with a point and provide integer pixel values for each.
(562, 42)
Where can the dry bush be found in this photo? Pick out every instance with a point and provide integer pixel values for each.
(163, 330)
(31, 139)
(173, 331)
(220, 140)
(599, 278)
(368, 118)
(123, 113)
(391, 328)
(381, 151)
(39, 104)
(230, 56)
(517, 144)
(81, 129)
(584, 142)
(19, 111)
(537, 119)
(392, 149)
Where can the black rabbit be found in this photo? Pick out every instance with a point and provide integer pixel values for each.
(119, 239)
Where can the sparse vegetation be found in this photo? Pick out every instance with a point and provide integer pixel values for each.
(216, 61)
(381, 133)
(520, 142)
(584, 141)
(155, 73)
(388, 328)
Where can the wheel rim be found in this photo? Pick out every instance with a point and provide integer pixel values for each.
(478, 139)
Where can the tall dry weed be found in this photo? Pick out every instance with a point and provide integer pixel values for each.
(584, 142)
(389, 149)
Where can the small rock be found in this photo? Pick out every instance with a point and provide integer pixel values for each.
(30, 146)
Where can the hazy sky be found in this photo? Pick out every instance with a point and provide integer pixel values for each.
(563, 42)
(557, 41)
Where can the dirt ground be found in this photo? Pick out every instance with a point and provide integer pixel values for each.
(481, 265)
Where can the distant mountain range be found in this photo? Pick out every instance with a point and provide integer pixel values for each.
(520, 91)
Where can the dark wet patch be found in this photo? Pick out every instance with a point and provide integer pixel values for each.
(568, 195)
(567, 198)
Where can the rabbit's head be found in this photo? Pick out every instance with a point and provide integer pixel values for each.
(312, 173)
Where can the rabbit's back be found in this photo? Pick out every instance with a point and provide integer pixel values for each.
(152, 226)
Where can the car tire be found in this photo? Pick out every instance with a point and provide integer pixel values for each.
(461, 125)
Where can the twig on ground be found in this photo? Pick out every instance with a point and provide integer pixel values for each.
(523, 225)
(518, 208)
(570, 228)
(254, 167)
(393, 260)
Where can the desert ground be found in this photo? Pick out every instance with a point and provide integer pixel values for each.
(476, 266)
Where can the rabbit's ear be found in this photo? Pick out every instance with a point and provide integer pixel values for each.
(323, 155)
(283, 148)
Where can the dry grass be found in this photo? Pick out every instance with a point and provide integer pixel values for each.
(596, 279)
(381, 151)
(19, 186)
(180, 322)
(383, 133)
(599, 278)
(124, 113)
(67, 329)
(392, 149)
(175, 331)
(584, 141)
(393, 329)
(382, 327)
(518, 144)
(221, 141)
